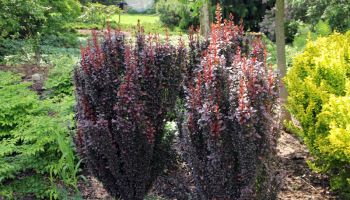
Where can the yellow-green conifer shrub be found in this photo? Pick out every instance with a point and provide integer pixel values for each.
(319, 98)
(334, 146)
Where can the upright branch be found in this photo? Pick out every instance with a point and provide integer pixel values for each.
(124, 93)
(230, 129)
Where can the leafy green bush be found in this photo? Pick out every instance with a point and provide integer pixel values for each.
(96, 13)
(34, 141)
(60, 77)
(169, 11)
(37, 22)
(334, 146)
(104, 2)
(9, 47)
(322, 28)
(336, 12)
(175, 13)
(317, 83)
(252, 12)
(61, 39)
(22, 18)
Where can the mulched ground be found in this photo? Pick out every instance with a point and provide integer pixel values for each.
(298, 181)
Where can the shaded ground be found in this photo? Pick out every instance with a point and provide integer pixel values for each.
(299, 182)
(31, 73)
(87, 32)
(93, 189)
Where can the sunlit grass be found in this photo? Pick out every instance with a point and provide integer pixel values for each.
(131, 19)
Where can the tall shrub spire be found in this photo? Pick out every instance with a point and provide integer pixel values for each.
(230, 129)
(123, 95)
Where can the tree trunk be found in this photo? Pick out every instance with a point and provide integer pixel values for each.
(205, 19)
(281, 55)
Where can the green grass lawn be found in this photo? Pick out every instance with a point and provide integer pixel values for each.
(150, 23)
(131, 19)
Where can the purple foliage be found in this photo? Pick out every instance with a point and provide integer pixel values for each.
(230, 129)
(124, 93)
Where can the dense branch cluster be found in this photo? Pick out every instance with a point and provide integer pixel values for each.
(124, 92)
(231, 98)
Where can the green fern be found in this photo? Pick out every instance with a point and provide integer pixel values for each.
(34, 141)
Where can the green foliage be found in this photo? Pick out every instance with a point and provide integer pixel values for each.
(96, 13)
(25, 25)
(267, 25)
(291, 28)
(9, 47)
(60, 77)
(24, 52)
(128, 23)
(60, 39)
(169, 12)
(34, 141)
(22, 18)
(105, 2)
(318, 86)
(323, 28)
(251, 12)
(305, 34)
(26, 185)
(175, 13)
(334, 147)
(336, 12)
(301, 37)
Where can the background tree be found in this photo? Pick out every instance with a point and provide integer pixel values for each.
(22, 19)
(336, 12)
(281, 52)
(252, 12)
(205, 18)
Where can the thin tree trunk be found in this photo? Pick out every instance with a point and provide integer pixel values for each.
(205, 19)
(281, 54)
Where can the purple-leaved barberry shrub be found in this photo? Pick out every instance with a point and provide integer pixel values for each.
(230, 128)
(124, 92)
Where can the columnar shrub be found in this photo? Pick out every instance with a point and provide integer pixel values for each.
(317, 84)
(230, 129)
(124, 92)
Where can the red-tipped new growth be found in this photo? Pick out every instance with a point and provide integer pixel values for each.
(231, 101)
(123, 100)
